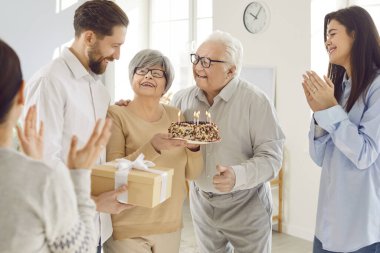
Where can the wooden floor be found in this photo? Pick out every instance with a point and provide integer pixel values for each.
(281, 243)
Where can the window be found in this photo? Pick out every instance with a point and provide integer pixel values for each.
(319, 62)
(372, 6)
(319, 8)
(176, 28)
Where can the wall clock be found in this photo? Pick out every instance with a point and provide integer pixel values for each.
(256, 17)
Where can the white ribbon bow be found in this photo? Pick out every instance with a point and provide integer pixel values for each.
(123, 168)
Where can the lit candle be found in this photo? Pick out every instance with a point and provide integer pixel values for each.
(194, 115)
(197, 117)
(179, 116)
(208, 117)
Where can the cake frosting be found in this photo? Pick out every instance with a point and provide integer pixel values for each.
(202, 131)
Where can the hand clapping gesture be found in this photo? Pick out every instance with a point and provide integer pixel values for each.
(31, 140)
(319, 93)
(86, 157)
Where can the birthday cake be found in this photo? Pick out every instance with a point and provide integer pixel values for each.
(195, 131)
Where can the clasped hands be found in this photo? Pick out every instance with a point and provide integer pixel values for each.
(319, 92)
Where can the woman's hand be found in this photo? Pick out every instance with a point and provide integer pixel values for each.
(31, 140)
(86, 157)
(123, 102)
(193, 147)
(319, 93)
(164, 142)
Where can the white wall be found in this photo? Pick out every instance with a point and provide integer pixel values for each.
(286, 46)
(136, 40)
(35, 30)
(38, 29)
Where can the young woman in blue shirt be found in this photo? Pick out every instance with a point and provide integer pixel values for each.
(344, 135)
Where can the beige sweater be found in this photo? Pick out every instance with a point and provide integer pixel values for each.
(131, 136)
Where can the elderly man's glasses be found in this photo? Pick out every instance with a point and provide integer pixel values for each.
(157, 73)
(205, 61)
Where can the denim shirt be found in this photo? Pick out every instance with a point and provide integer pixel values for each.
(347, 149)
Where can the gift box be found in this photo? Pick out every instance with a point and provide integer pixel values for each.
(145, 188)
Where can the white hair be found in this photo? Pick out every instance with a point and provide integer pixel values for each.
(234, 48)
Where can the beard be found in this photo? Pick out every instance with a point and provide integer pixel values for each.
(96, 62)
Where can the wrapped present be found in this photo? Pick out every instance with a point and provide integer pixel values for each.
(147, 187)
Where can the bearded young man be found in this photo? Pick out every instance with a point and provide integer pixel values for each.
(69, 94)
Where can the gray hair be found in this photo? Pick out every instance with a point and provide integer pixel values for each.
(149, 58)
(234, 48)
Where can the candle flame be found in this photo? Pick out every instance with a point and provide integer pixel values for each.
(208, 114)
(179, 116)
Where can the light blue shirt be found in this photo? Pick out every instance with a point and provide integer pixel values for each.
(347, 147)
(251, 138)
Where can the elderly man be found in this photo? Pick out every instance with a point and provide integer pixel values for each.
(231, 202)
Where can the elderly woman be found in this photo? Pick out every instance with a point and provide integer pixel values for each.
(141, 127)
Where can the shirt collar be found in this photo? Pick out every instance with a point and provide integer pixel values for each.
(225, 94)
(346, 82)
(76, 66)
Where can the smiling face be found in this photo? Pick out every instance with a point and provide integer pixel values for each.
(212, 80)
(147, 85)
(339, 44)
(105, 50)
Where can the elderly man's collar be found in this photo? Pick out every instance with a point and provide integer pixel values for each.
(225, 94)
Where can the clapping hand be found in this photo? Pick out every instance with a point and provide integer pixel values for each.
(319, 93)
(86, 157)
(31, 140)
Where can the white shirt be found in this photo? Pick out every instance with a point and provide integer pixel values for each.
(69, 100)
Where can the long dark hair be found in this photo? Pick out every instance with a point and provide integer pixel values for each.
(10, 78)
(365, 52)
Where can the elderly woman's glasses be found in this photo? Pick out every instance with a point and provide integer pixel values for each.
(158, 73)
(205, 61)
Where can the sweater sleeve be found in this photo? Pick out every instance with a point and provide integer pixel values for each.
(194, 165)
(70, 211)
(116, 144)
